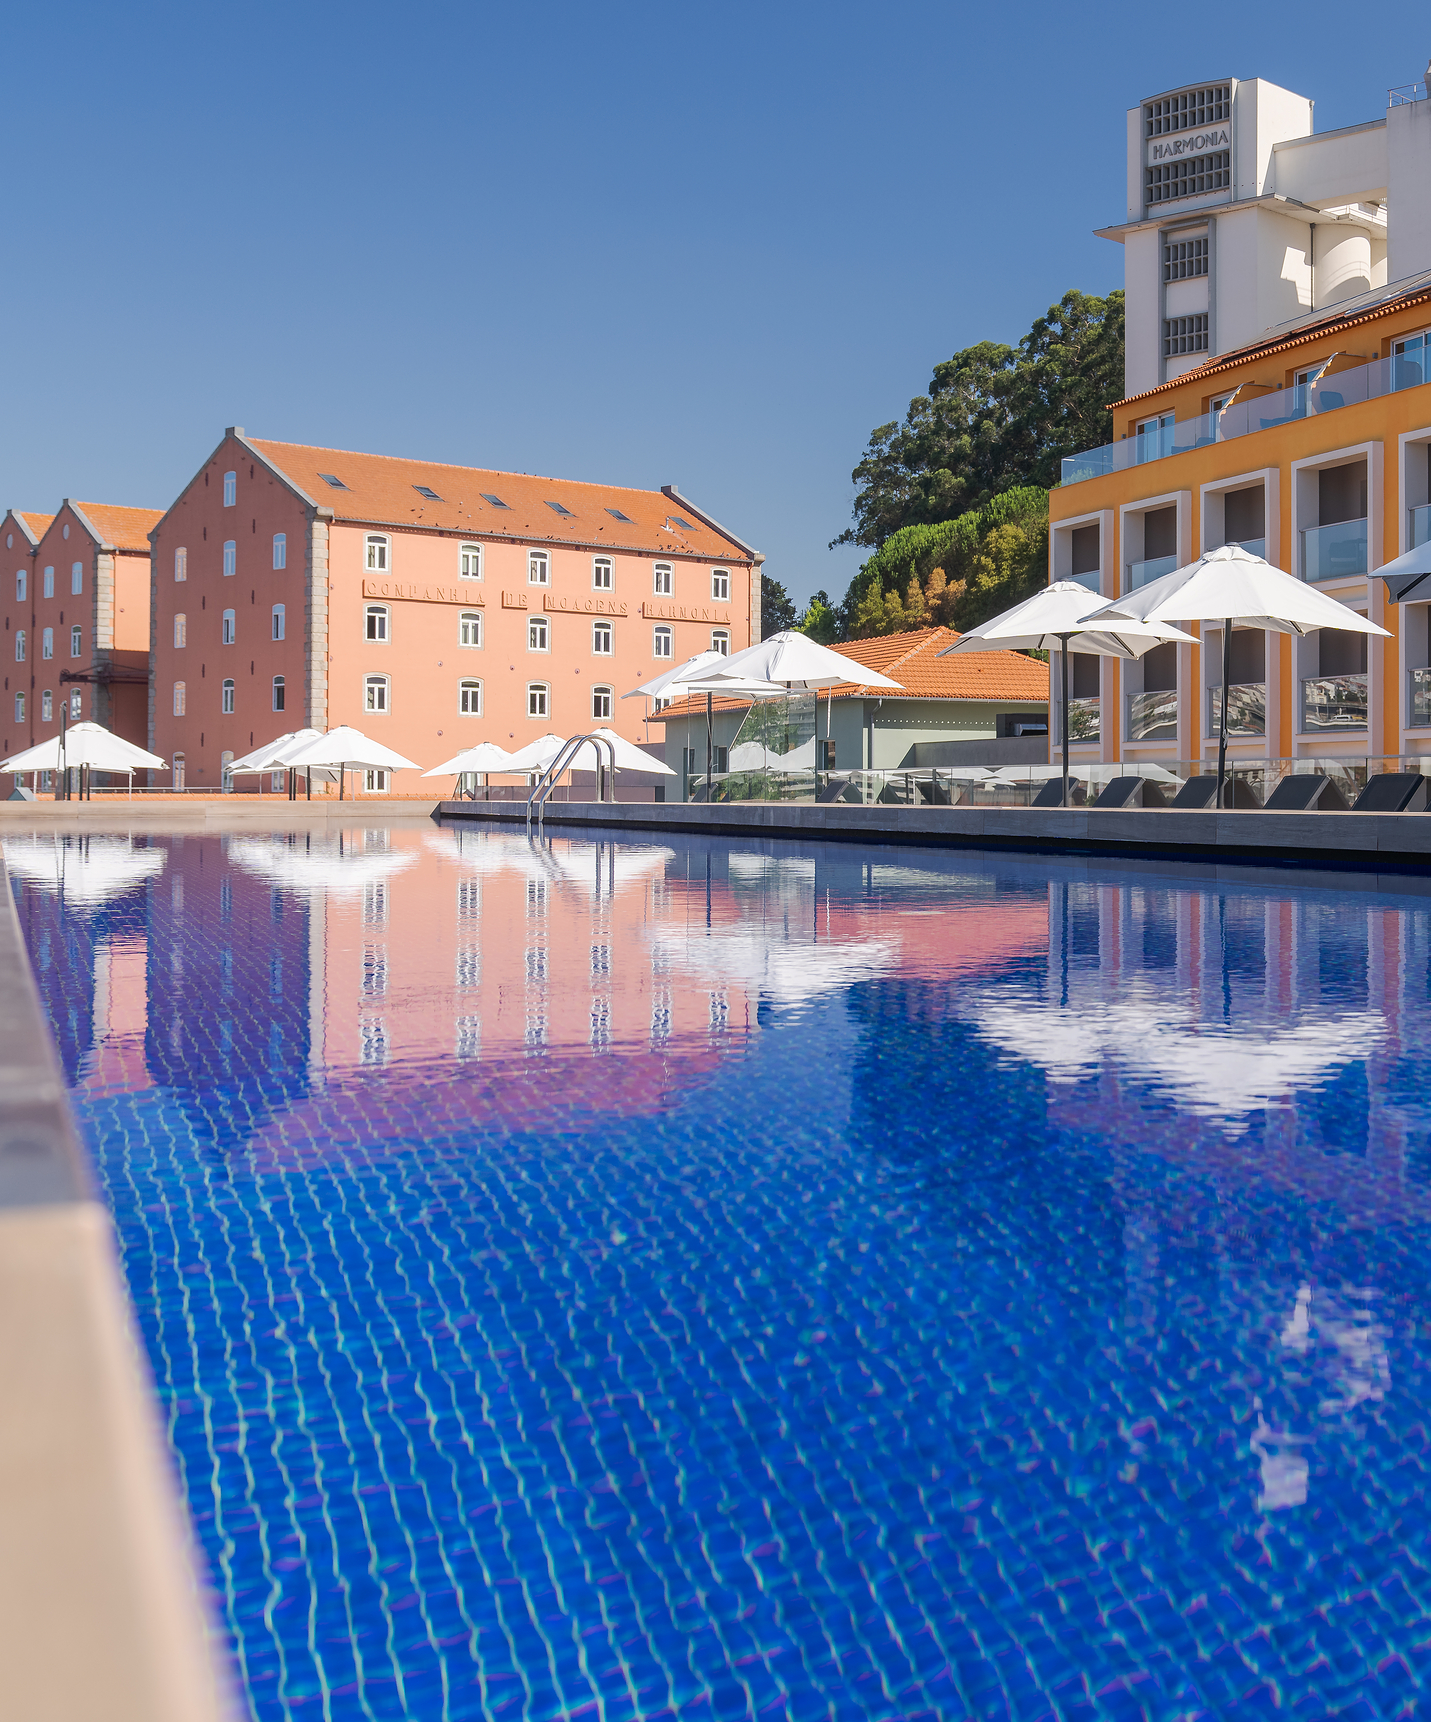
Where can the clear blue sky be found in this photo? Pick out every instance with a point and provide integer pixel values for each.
(705, 245)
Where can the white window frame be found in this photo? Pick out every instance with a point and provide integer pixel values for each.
(663, 636)
(181, 698)
(377, 553)
(720, 641)
(19, 645)
(76, 641)
(470, 561)
(663, 577)
(603, 574)
(181, 565)
(76, 705)
(228, 627)
(469, 630)
(539, 634)
(227, 692)
(47, 583)
(469, 697)
(230, 490)
(19, 708)
(279, 693)
(230, 558)
(21, 583)
(181, 630)
(603, 639)
(720, 585)
(76, 579)
(177, 766)
(382, 615)
(539, 568)
(602, 695)
(377, 695)
(539, 694)
(280, 621)
(47, 706)
(280, 550)
(47, 643)
(375, 779)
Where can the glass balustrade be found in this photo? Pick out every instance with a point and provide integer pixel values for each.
(1420, 700)
(1333, 703)
(1253, 546)
(1246, 709)
(1083, 719)
(1153, 716)
(1093, 581)
(1420, 524)
(1140, 573)
(1333, 552)
(1247, 415)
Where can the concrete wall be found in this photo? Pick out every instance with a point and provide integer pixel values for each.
(1408, 155)
(1345, 166)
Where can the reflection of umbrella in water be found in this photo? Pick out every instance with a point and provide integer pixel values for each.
(82, 870)
(332, 868)
(785, 970)
(491, 852)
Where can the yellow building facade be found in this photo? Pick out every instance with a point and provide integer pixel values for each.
(1311, 447)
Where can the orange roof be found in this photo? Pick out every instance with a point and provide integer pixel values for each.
(383, 490)
(39, 524)
(911, 660)
(124, 528)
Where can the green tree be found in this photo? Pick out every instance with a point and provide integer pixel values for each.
(820, 621)
(777, 610)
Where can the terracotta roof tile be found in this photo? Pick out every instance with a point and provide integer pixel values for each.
(381, 490)
(39, 524)
(124, 528)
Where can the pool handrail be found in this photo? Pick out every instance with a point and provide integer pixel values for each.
(568, 751)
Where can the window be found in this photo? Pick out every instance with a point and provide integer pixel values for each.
(720, 584)
(496, 501)
(227, 698)
(720, 641)
(601, 698)
(374, 779)
(19, 708)
(469, 628)
(558, 508)
(538, 699)
(181, 564)
(1190, 177)
(377, 562)
(181, 629)
(47, 643)
(471, 561)
(279, 616)
(375, 694)
(278, 692)
(230, 557)
(76, 578)
(229, 627)
(179, 699)
(178, 771)
(601, 573)
(1408, 360)
(76, 706)
(376, 624)
(601, 639)
(661, 643)
(333, 483)
(230, 489)
(428, 492)
(47, 707)
(21, 582)
(280, 550)
(469, 699)
(538, 570)
(19, 645)
(616, 514)
(1184, 335)
(1203, 106)
(76, 643)
(664, 577)
(538, 634)
(47, 583)
(1184, 258)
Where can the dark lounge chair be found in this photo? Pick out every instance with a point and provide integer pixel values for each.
(1307, 792)
(1393, 792)
(836, 789)
(1201, 792)
(1126, 792)
(1051, 795)
(938, 792)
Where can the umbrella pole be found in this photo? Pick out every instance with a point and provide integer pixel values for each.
(342, 781)
(1222, 717)
(308, 778)
(708, 745)
(1063, 704)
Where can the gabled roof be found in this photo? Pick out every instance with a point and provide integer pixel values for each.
(910, 659)
(382, 490)
(34, 525)
(113, 523)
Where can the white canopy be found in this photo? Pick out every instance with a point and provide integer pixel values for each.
(88, 744)
(788, 657)
(273, 755)
(671, 684)
(1407, 574)
(346, 748)
(536, 755)
(1041, 623)
(1227, 584)
(539, 754)
(484, 756)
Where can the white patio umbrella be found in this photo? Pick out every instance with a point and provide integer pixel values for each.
(274, 756)
(1229, 586)
(1048, 621)
(347, 749)
(1406, 574)
(485, 756)
(536, 755)
(84, 744)
(679, 684)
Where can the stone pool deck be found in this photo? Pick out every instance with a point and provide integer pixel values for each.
(1364, 841)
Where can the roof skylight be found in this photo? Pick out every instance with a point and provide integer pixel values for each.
(333, 482)
(428, 492)
(557, 508)
(496, 501)
(684, 525)
(616, 514)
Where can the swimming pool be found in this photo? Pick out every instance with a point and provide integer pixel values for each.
(718, 1280)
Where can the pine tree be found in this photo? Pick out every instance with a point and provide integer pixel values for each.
(916, 610)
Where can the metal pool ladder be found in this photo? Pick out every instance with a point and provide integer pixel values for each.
(544, 785)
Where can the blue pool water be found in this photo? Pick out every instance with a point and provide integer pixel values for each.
(703, 1280)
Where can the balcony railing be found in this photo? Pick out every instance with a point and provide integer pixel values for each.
(1420, 701)
(1083, 719)
(1153, 716)
(1420, 524)
(1333, 703)
(1140, 573)
(1333, 552)
(1246, 709)
(1093, 581)
(1245, 417)
(1253, 546)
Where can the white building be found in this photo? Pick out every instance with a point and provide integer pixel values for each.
(1242, 218)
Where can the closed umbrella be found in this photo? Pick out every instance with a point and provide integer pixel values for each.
(347, 749)
(1229, 586)
(1048, 621)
